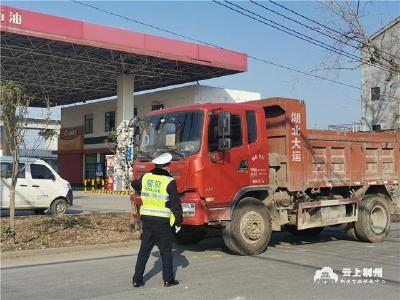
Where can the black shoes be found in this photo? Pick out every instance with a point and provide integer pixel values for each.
(137, 283)
(171, 283)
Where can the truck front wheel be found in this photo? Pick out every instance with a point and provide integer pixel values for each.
(249, 230)
(373, 222)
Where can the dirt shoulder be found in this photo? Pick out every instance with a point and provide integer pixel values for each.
(73, 231)
(42, 232)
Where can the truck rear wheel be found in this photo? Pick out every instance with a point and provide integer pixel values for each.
(373, 219)
(189, 236)
(249, 230)
(305, 232)
(351, 231)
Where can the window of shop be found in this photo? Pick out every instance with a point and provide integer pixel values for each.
(90, 166)
(376, 93)
(376, 127)
(109, 121)
(103, 161)
(89, 123)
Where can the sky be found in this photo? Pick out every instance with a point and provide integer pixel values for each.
(327, 103)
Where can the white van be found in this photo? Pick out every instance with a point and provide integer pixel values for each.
(38, 187)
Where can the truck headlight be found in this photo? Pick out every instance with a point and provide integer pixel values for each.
(189, 209)
(69, 186)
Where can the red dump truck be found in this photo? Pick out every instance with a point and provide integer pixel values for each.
(252, 168)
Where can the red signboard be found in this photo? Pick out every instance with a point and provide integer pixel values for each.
(70, 133)
(40, 25)
(70, 139)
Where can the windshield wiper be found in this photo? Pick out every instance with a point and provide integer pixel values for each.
(175, 151)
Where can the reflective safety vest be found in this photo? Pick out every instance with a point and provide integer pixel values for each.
(154, 196)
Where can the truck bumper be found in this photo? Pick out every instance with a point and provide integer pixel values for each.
(194, 209)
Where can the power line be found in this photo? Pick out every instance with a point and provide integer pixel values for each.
(304, 73)
(145, 24)
(297, 34)
(219, 47)
(328, 28)
(280, 27)
(312, 28)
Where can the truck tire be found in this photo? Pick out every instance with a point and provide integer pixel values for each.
(305, 232)
(373, 222)
(189, 236)
(58, 207)
(351, 232)
(249, 230)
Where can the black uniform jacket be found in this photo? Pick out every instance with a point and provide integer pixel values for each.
(173, 203)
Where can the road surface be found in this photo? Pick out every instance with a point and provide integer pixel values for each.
(85, 202)
(206, 271)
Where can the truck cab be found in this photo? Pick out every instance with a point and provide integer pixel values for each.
(210, 166)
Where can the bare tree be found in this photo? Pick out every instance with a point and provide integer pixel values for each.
(348, 34)
(14, 103)
(121, 143)
(377, 55)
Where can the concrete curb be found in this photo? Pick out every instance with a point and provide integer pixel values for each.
(125, 193)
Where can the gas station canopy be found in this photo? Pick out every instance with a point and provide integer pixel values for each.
(72, 61)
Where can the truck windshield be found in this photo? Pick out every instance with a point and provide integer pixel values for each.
(178, 133)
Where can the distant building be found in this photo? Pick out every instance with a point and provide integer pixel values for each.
(353, 127)
(380, 88)
(34, 145)
(82, 148)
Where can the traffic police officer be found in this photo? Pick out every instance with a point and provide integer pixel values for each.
(161, 208)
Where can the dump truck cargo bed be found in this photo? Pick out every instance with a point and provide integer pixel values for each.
(325, 158)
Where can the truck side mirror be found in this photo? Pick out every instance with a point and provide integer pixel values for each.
(224, 123)
(136, 131)
(224, 144)
(134, 122)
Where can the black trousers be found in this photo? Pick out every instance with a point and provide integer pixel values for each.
(160, 234)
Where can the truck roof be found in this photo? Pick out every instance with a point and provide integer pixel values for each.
(210, 106)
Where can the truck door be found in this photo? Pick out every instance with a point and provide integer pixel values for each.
(258, 161)
(227, 172)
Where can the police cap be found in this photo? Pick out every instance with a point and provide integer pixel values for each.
(163, 159)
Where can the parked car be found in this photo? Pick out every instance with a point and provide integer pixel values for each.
(38, 187)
